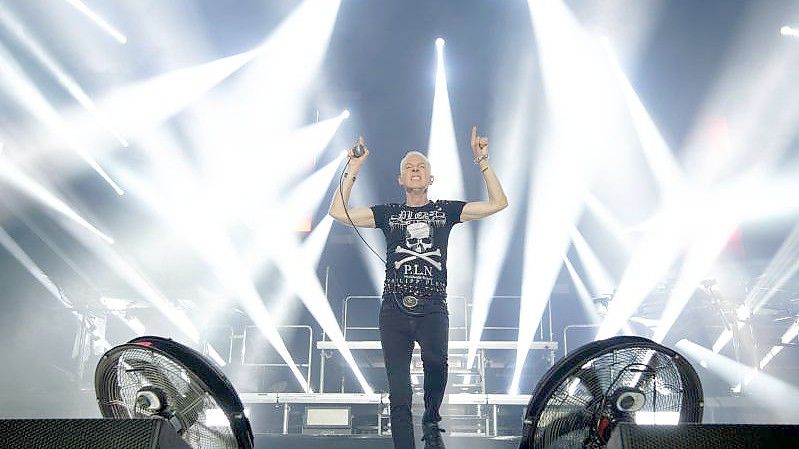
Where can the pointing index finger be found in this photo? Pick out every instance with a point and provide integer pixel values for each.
(474, 135)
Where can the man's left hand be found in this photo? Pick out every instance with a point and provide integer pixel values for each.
(479, 144)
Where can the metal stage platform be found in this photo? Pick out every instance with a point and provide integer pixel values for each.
(375, 442)
(288, 401)
(453, 345)
(470, 409)
(377, 398)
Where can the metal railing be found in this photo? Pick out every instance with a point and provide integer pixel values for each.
(450, 300)
(467, 306)
(544, 328)
(306, 365)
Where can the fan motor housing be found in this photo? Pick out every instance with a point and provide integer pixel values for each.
(630, 400)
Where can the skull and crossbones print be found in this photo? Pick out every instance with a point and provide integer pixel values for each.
(418, 244)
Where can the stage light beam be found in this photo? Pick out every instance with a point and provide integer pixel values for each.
(580, 95)
(139, 107)
(272, 91)
(304, 282)
(511, 133)
(657, 152)
(7, 242)
(582, 291)
(18, 179)
(99, 21)
(28, 96)
(312, 248)
(767, 390)
(598, 277)
(703, 251)
(445, 165)
(789, 31)
(194, 218)
(58, 72)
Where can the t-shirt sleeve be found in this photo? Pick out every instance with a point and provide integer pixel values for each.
(380, 212)
(453, 211)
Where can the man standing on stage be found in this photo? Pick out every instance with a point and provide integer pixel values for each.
(414, 304)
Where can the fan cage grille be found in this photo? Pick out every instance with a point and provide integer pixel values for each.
(577, 407)
(137, 368)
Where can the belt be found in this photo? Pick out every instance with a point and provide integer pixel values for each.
(412, 299)
(412, 305)
(419, 294)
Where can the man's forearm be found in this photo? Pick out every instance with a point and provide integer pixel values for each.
(496, 195)
(337, 206)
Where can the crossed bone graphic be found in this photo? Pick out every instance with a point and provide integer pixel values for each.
(414, 255)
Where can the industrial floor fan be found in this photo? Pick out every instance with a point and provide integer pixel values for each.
(152, 377)
(581, 399)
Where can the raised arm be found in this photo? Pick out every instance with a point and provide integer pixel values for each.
(496, 196)
(360, 216)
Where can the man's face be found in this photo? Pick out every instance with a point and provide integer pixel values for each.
(415, 174)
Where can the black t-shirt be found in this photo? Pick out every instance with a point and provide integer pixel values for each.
(416, 245)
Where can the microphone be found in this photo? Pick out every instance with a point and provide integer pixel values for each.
(358, 150)
(708, 283)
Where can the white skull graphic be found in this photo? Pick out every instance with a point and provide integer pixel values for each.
(418, 237)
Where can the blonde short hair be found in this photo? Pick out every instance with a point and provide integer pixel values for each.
(414, 153)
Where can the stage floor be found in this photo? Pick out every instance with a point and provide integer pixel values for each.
(374, 442)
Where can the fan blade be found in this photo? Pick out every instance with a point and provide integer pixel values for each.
(652, 361)
(217, 433)
(152, 375)
(563, 425)
(589, 378)
(190, 408)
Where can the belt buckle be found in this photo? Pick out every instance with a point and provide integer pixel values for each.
(410, 301)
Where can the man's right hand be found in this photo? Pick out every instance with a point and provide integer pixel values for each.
(360, 216)
(356, 162)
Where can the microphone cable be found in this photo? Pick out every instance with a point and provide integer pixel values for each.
(344, 203)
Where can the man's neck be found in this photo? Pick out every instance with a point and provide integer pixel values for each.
(416, 198)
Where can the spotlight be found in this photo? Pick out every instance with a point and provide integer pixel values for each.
(439, 43)
(742, 313)
(345, 114)
(789, 31)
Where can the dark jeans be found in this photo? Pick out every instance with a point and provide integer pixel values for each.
(398, 332)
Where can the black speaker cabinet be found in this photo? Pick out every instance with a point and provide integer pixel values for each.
(89, 434)
(704, 436)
